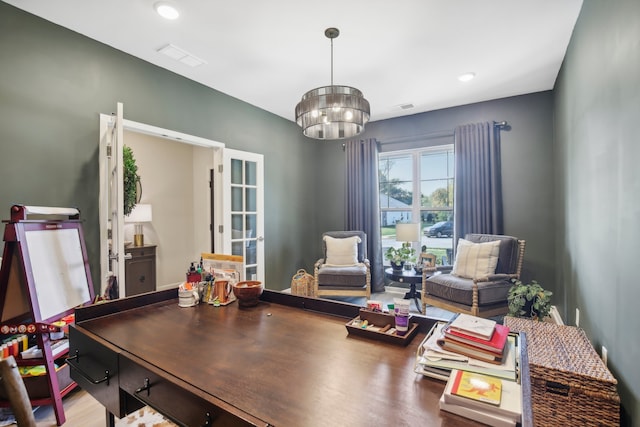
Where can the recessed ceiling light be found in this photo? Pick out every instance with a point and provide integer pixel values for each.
(166, 10)
(466, 77)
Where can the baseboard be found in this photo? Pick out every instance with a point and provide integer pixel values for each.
(169, 286)
(554, 314)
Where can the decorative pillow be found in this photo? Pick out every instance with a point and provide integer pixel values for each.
(476, 260)
(343, 251)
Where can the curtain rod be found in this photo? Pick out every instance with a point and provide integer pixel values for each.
(432, 135)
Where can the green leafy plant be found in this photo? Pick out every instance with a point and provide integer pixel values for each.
(130, 180)
(529, 300)
(400, 255)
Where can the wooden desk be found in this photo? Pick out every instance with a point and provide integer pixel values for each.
(285, 362)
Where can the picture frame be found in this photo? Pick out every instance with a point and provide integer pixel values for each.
(427, 259)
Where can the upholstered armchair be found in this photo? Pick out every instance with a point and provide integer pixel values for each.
(344, 269)
(479, 280)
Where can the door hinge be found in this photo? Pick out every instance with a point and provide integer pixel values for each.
(220, 168)
(221, 229)
(108, 150)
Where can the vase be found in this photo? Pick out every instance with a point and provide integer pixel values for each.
(397, 266)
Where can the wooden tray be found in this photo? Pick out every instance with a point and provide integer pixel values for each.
(380, 320)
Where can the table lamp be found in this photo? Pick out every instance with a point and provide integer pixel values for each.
(140, 214)
(407, 233)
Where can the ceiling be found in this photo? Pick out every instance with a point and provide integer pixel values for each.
(397, 52)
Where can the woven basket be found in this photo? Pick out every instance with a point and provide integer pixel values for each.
(570, 385)
(302, 283)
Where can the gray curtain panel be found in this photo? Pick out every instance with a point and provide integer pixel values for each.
(363, 204)
(478, 194)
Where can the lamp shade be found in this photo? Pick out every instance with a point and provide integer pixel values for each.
(140, 213)
(332, 112)
(408, 232)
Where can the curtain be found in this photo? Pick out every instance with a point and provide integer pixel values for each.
(362, 202)
(478, 194)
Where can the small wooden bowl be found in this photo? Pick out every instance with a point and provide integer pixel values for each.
(248, 292)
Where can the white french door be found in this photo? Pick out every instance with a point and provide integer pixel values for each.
(243, 206)
(111, 201)
(111, 197)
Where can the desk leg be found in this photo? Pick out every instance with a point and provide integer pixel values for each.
(111, 419)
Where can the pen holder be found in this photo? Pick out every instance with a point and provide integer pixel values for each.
(188, 298)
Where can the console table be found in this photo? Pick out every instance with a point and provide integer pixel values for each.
(287, 362)
(140, 269)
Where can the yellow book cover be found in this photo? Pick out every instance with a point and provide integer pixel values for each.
(478, 387)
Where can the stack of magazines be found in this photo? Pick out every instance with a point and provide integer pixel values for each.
(436, 360)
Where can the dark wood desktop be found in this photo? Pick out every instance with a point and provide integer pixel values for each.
(287, 362)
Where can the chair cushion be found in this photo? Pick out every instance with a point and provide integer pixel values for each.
(508, 258)
(476, 260)
(342, 252)
(460, 290)
(350, 276)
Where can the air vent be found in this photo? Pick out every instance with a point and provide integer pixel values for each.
(406, 106)
(181, 55)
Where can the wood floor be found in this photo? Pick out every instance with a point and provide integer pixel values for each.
(80, 408)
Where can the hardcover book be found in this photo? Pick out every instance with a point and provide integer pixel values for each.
(479, 387)
(510, 399)
(472, 352)
(495, 344)
(473, 325)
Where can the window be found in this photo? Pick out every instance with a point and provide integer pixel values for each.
(417, 186)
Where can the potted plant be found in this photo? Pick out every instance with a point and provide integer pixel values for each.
(130, 180)
(529, 300)
(398, 256)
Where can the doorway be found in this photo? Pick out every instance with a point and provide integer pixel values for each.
(182, 225)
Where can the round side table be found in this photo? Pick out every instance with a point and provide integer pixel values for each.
(410, 277)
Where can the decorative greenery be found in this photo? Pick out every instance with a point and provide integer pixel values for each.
(529, 300)
(130, 179)
(400, 255)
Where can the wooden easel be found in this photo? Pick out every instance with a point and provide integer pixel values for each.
(44, 276)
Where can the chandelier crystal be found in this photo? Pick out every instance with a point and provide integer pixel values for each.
(332, 112)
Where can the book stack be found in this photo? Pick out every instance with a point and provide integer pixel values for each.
(483, 398)
(475, 337)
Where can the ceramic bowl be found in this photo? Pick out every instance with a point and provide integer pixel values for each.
(248, 292)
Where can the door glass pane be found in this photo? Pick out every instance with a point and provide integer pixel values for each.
(251, 204)
(236, 171)
(236, 248)
(251, 252)
(251, 173)
(236, 199)
(250, 273)
(236, 227)
(251, 224)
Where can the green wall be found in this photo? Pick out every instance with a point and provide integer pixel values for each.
(597, 114)
(572, 200)
(54, 83)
